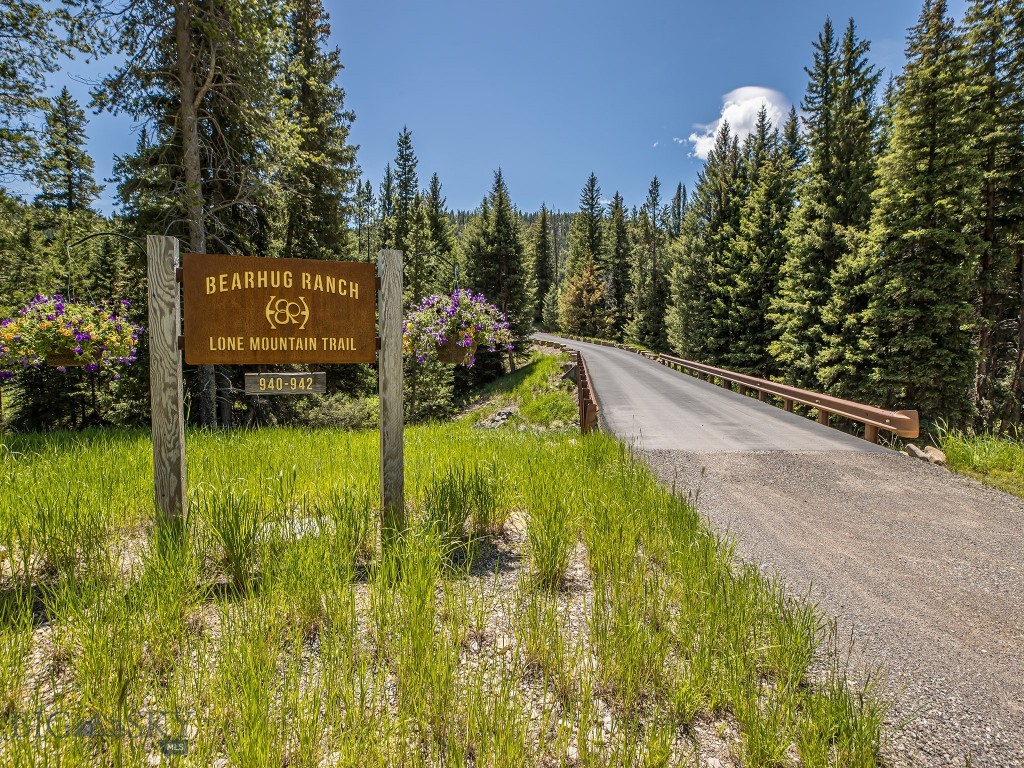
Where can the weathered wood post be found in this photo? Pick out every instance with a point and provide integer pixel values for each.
(389, 376)
(165, 381)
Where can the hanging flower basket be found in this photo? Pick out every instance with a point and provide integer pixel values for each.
(453, 327)
(450, 351)
(68, 358)
(66, 333)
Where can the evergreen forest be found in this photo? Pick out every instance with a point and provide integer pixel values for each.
(870, 246)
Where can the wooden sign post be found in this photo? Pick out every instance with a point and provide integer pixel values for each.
(389, 375)
(242, 310)
(165, 384)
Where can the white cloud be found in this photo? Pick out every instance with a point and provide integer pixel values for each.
(678, 140)
(655, 145)
(740, 108)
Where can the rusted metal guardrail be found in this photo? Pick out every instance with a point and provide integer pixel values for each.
(902, 423)
(584, 389)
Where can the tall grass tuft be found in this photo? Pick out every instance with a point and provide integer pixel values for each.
(552, 535)
(234, 522)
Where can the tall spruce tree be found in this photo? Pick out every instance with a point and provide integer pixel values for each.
(386, 209)
(64, 171)
(587, 232)
(834, 205)
(406, 189)
(320, 178)
(994, 80)
(1011, 412)
(365, 217)
(204, 77)
(675, 221)
(923, 242)
(496, 267)
(649, 279)
(698, 318)
(439, 229)
(755, 256)
(619, 258)
(542, 257)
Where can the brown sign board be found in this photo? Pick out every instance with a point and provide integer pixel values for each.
(244, 310)
(288, 383)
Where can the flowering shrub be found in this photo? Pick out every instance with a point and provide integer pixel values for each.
(464, 316)
(59, 326)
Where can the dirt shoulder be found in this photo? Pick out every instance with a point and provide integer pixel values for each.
(922, 568)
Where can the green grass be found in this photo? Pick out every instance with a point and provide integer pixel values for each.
(536, 392)
(997, 460)
(594, 620)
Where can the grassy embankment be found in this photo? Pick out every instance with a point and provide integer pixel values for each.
(551, 605)
(994, 460)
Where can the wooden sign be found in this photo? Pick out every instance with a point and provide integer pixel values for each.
(242, 310)
(285, 383)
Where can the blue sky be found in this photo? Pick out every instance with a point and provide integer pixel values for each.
(551, 90)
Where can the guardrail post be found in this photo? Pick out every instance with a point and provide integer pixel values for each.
(762, 395)
(789, 404)
(822, 416)
(871, 433)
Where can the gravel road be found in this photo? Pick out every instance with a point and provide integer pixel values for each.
(921, 567)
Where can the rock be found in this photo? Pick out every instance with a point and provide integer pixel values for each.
(934, 455)
(714, 762)
(915, 452)
(498, 419)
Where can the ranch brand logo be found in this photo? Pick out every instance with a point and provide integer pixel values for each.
(243, 310)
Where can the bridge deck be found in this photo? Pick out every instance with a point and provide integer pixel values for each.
(662, 409)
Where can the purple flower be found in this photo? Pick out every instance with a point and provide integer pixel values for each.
(78, 350)
(6, 375)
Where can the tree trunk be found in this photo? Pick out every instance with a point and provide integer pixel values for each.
(188, 125)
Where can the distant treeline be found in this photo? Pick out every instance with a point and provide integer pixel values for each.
(869, 246)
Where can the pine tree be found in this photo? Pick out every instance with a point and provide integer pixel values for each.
(320, 179)
(1011, 409)
(675, 225)
(550, 313)
(756, 255)
(33, 38)
(365, 218)
(496, 266)
(834, 205)
(922, 246)
(586, 233)
(995, 90)
(438, 219)
(584, 304)
(542, 257)
(649, 281)
(386, 209)
(64, 171)
(406, 189)
(204, 77)
(698, 318)
(618, 280)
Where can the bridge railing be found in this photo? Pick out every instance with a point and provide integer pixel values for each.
(902, 423)
(587, 401)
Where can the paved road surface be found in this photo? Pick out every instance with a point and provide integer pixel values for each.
(658, 408)
(922, 568)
